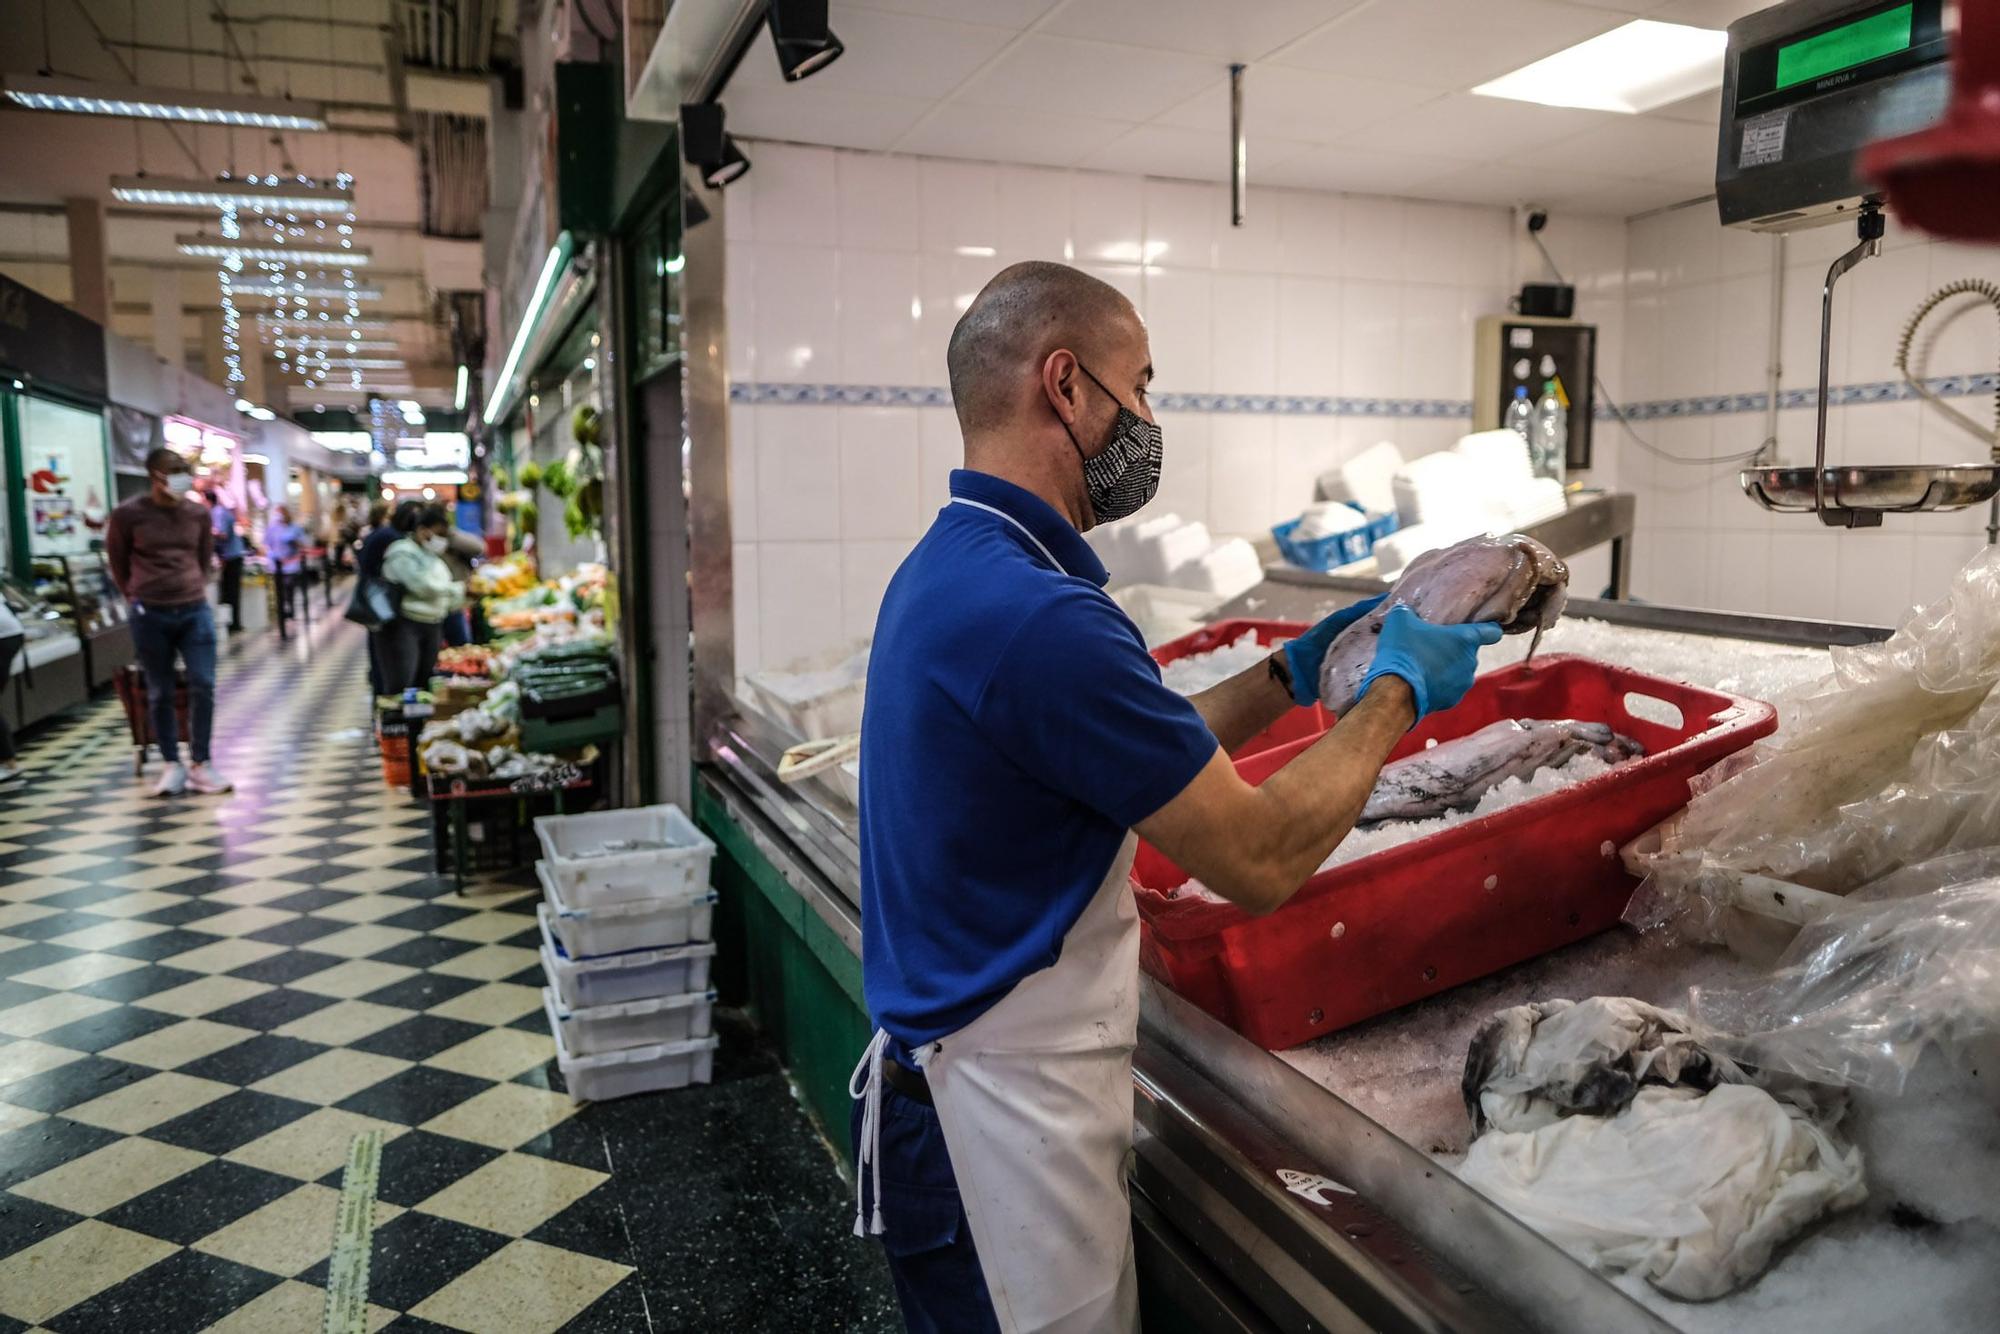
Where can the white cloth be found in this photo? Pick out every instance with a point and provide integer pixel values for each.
(1691, 1190)
(1035, 1097)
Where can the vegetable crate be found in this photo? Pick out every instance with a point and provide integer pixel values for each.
(1306, 722)
(1419, 918)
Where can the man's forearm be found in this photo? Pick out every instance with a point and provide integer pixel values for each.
(1244, 705)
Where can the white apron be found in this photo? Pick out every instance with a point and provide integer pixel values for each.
(1035, 1097)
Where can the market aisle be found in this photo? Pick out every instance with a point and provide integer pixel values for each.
(202, 1002)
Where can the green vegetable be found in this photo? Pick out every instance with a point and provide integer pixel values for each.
(531, 475)
(501, 480)
(584, 425)
(558, 481)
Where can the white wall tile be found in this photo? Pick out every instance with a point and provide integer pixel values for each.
(799, 597)
(1246, 333)
(1486, 250)
(1687, 339)
(879, 313)
(878, 201)
(739, 299)
(1371, 242)
(1184, 470)
(1437, 344)
(798, 472)
(1035, 210)
(1253, 247)
(1939, 558)
(1180, 319)
(798, 195)
(1309, 324)
(1181, 219)
(743, 472)
(1883, 292)
(1309, 234)
(1681, 576)
(1303, 448)
(1371, 350)
(1876, 573)
(939, 450)
(748, 608)
(959, 202)
(1239, 473)
(947, 284)
(1804, 579)
(865, 570)
(1739, 571)
(880, 478)
(1433, 243)
(1742, 333)
(796, 320)
(1107, 219)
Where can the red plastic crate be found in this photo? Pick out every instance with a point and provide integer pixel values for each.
(1297, 725)
(1410, 921)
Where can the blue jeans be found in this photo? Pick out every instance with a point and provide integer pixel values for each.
(939, 1283)
(158, 633)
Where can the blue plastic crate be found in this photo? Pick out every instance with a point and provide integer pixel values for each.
(1327, 553)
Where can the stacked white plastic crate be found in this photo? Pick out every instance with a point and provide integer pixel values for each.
(627, 918)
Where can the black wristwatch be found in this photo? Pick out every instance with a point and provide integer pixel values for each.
(1281, 672)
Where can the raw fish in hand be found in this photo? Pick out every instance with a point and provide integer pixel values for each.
(1455, 774)
(1513, 580)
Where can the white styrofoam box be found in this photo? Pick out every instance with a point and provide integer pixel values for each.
(847, 778)
(1501, 455)
(1394, 552)
(1227, 569)
(1532, 501)
(820, 696)
(1440, 487)
(1327, 518)
(1163, 613)
(615, 979)
(1370, 475)
(586, 1031)
(576, 854)
(649, 924)
(1183, 546)
(617, 1074)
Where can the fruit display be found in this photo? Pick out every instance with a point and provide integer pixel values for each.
(465, 660)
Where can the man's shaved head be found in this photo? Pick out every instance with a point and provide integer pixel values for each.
(1028, 311)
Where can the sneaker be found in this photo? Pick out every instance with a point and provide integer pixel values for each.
(173, 782)
(203, 778)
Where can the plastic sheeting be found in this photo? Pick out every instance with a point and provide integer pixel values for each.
(1890, 761)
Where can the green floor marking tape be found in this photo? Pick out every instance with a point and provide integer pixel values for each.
(353, 1230)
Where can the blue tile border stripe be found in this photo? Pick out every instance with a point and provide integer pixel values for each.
(1310, 405)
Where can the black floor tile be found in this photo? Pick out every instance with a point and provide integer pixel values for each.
(528, 938)
(593, 1226)
(410, 1324)
(425, 951)
(416, 1254)
(534, 1021)
(530, 976)
(299, 930)
(178, 940)
(430, 887)
(427, 917)
(180, 914)
(81, 897)
(548, 1075)
(58, 924)
(290, 966)
(197, 1203)
(419, 1037)
(273, 1009)
(417, 1165)
(187, 1290)
(617, 1311)
(23, 1222)
(252, 1059)
(20, 993)
(138, 983)
(230, 1122)
(29, 1151)
(108, 1028)
(30, 957)
(421, 991)
(412, 1097)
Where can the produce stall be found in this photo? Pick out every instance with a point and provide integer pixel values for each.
(1315, 1186)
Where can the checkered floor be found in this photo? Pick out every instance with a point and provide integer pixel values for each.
(203, 1001)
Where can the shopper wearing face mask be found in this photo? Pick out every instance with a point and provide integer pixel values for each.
(1017, 736)
(428, 593)
(159, 546)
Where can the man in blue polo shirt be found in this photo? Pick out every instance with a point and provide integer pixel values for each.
(1017, 734)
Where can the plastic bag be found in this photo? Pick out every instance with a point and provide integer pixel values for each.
(1891, 760)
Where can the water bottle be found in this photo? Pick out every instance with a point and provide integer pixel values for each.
(1520, 418)
(1548, 443)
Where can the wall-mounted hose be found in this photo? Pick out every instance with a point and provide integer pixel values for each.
(1963, 287)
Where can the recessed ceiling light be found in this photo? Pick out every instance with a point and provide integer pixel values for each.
(252, 194)
(1637, 67)
(39, 92)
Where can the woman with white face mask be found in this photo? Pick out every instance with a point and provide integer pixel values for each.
(428, 594)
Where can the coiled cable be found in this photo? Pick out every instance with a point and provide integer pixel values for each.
(1962, 287)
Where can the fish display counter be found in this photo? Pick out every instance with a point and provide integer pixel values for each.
(1317, 1187)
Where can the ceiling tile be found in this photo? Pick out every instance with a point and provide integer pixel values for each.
(887, 54)
(1602, 196)
(1353, 170)
(1193, 155)
(1477, 127)
(1633, 146)
(1034, 138)
(1310, 106)
(1701, 109)
(1015, 14)
(1223, 32)
(841, 120)
(1067, 76)
(1447, 44)
(1705, 13)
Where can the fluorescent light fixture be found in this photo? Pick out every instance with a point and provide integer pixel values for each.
(430, 477)
(529, 316)
(263, 459)
(263, 414)
(221, 247)
(86, 97)
(413, 411)
(1634, 68)
(263, 195)
(458, 394)
(244, 405)
(674, 265)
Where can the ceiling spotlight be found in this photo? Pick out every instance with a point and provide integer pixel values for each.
(43, 93)
(804, 43)
(251, 194)
(222, 247)
(706, 146)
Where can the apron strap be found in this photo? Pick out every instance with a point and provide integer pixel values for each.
(865, 1085)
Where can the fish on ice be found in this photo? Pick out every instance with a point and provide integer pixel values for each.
(1455, 774)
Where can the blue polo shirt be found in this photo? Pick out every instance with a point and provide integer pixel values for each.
(1016, 728)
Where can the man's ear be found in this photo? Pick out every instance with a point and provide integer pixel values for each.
(1059, 379)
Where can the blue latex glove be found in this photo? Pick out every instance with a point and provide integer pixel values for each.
(1305, 654)
(1437, 660)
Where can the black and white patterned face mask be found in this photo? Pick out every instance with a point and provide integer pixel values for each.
(1124, 475)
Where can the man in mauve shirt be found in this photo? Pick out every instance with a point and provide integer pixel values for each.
(159, 546)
